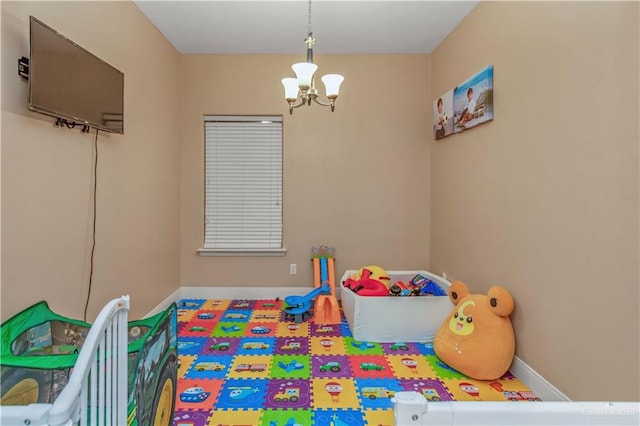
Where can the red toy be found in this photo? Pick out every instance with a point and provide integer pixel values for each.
(367, 286)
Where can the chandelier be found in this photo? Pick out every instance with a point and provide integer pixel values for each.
(302, 89)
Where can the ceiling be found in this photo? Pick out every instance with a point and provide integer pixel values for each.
(235, 27)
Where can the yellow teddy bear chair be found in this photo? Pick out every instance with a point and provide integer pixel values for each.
(477, 338)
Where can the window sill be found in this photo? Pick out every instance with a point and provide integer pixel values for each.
(242, 252)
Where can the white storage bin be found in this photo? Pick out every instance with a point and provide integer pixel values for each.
(387, 319)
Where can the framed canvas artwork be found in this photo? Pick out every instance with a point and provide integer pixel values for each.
(443, 116)
(473, 101)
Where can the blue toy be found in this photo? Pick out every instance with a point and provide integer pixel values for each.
(300, 306)
(426, 286)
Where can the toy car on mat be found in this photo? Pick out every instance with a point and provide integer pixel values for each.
(39, 350)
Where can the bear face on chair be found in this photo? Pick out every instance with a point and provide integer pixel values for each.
(477, 338)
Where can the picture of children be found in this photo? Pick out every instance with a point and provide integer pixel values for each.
(443, 116)
(473, 101)
(467, 113)
(440, 121)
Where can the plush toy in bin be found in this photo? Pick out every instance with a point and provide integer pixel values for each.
(477, 338)
(369, 281)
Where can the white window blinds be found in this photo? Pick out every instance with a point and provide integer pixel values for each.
(243, 184)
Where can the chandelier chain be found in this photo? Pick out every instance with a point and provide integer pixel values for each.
(309, 28)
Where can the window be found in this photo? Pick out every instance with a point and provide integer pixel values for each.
(243, 186)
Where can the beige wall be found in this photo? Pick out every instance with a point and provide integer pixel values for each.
(544, 199)
(356, 179)
(46, 171)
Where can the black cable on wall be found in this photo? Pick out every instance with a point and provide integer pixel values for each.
(93, 245)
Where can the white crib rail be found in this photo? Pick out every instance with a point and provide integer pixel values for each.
(96, 393)
(412, 409)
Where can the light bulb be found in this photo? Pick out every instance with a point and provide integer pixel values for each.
(304, 72)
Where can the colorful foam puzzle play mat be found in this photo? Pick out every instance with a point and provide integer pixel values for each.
(242, 362)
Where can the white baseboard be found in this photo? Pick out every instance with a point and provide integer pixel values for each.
(534, 381)
(173, 297)
(527, 375)
(246, 293)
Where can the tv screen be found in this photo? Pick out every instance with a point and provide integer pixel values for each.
(68, 82)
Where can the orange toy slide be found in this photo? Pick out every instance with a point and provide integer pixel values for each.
(326, 309)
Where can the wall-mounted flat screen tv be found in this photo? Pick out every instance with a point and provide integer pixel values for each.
(69, 82)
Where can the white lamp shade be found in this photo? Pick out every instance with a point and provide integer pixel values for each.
(290, 88)
(304, 71)
(332, 84)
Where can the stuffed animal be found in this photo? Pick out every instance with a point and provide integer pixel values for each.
(477, 338)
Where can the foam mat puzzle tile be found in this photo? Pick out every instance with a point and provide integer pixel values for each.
(328, 346)
(184, 364)
(440, 369)
(356, 347)
(229, 329)
(185, 315)
(291, 345)
(370, 366)
(290, 366)
(344, 329)
(265, 315)
(190, 345)
(191, 303)
(191, 417)
(216, 305)
(325, 330)
(338, 418)
(242, 304)
(242, 394)
(263, 328)
(334, 394)
(400, 348)
(250, 366)
(209, 316)
(235, 418)
(288, 394)
(379, 417)
(220, 345)
(290, 329)
(377, 393)
(236, 315)
(209, 367)
(198, 328)
(330, 366)
(286, 417)
(256, 346)
(269, 304)
(410, 366)
(194, 394)
(431, 389)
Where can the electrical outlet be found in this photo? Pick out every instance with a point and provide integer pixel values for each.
(293, 269)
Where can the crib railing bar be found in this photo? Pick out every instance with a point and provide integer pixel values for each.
(123, 363)
(101, 378)
(84, 400)
(93, 390)
(109, 366)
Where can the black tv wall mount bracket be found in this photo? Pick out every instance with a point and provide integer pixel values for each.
(23, 68)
